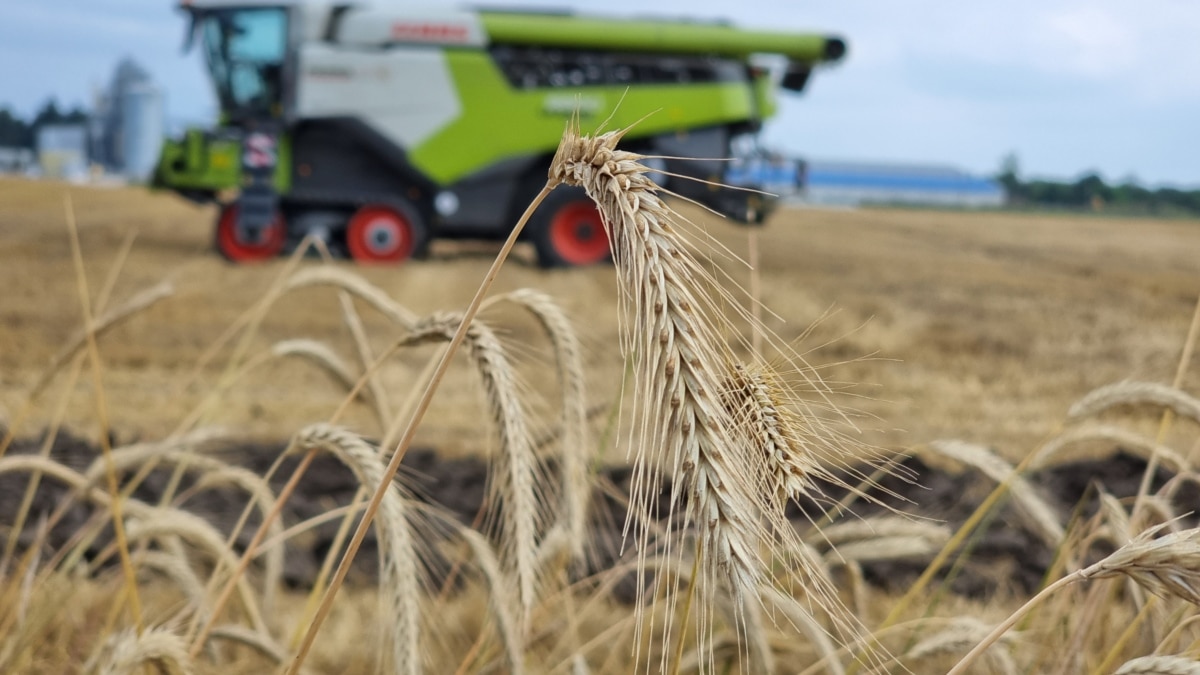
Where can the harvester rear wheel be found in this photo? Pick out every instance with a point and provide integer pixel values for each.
(234, 246)
(384, 233)
(568, 230)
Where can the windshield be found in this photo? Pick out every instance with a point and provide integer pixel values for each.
(246, 50)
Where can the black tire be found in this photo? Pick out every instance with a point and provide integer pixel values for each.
(567, 230)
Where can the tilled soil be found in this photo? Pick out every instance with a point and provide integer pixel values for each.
(1006, 556)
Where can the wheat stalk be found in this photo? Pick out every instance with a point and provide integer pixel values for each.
(400, 559)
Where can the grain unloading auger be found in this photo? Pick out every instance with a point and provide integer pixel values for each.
(379, 128)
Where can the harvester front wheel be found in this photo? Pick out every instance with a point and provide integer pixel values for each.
(379, 233)
(244, 247)
(568, 231)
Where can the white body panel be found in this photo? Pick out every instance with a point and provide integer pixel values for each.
(406, 94)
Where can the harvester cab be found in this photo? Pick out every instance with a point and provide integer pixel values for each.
(380, 127)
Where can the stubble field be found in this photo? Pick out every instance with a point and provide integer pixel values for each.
(983, 327)
(925, 326)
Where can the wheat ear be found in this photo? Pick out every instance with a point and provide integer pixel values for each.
(1168, 566)
(400, 559)
(516, 478)
(130, 654)
(1160, 665)
(576, 484)
(1137, 393)
(356, 286)
(1037, 512)
(673, 338)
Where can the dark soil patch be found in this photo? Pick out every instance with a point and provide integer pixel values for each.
(1006, 554)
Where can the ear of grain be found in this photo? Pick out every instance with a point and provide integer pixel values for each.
(1137, 393)
(961, 634)
(576, 485)
(153, 523)
(770, 430)
(1160, 665)
(1168, 566)
(673, 336)
(131, 654)
(402, 577)
(189, 452)
(319, 354)
(501, 601)
(355, 285)
(516, 478)
(1037, 512)
(1109, 436)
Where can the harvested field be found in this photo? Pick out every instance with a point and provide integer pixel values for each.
(983, 327)
(953, 348)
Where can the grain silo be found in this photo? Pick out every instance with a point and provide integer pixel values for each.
(141, 129)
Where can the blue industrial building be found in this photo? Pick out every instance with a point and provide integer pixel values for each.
(852, 184)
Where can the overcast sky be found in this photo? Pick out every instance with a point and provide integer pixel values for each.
(1067, 85)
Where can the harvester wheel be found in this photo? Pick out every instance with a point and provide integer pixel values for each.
(379, 233)
(235, 247)
(568, 231)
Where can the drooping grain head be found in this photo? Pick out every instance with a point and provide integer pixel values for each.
(517, 476)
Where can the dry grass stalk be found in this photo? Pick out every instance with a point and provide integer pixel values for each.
(131, 654)
(139, 302)
(574, 439)
(516, 479)
(1136, 393)
(1037, 512)
(402, 576)
(1160, 665)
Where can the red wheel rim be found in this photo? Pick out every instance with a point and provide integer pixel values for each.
(238, 249)
(380, 234)
(578, 235)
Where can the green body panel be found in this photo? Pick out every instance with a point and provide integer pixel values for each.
(648, 36)
(499, 122)
(200, 163)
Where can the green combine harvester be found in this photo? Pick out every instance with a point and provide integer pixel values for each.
(380, 128)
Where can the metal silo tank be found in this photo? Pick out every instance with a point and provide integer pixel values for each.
(142, 130)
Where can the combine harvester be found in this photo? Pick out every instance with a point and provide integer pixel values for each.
(379, 128)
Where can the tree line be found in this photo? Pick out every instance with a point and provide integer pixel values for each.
(16, 132)
(1090, 192)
